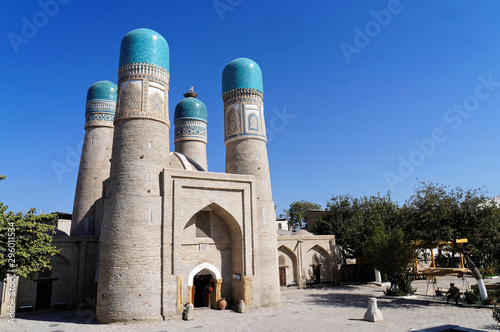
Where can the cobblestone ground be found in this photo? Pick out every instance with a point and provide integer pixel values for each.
(316, 309)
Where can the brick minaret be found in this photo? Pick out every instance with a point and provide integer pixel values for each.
(129, 284)
(96, 153)
(246, 153)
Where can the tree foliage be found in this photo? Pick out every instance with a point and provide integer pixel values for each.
(390, 251)
(25, 242)
(371, 227)
(440, 214)
(297, 213)
(353, 220)
(389, 234)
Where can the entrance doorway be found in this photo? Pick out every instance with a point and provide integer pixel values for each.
(282, 276)
(43, 294)
(202, 290)
(317, 273)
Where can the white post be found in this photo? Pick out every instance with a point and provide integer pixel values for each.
(373, 314)
(378, 276)
(482, 289)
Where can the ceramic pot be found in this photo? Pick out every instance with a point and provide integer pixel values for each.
(222, 304)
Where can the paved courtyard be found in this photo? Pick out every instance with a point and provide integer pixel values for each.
(316, 309)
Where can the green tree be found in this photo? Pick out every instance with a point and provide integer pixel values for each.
(25, 242)
(353, 220)
(371, 227)
(390, 251)
(439, 214)
(297, 213)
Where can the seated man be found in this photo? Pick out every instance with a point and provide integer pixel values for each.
(453, 293)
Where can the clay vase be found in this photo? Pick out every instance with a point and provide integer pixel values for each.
(222, 304)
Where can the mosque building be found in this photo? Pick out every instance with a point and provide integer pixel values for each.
(152, 230)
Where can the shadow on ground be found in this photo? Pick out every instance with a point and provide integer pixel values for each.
(494, 327)
(62, 316)
(347, 299)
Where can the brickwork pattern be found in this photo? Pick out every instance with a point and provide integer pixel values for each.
(246, 153)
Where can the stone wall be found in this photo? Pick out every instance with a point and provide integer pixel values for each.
(301, 253)
(72, 275)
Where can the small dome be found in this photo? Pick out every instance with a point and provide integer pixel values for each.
(302, 232)
(190, 108)
(242, 73)
(104, 90)
(144, 46)
(177, 160)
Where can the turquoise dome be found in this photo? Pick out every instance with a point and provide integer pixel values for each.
(190, 108)
(144, 46)
(242, 73)
(105, 90)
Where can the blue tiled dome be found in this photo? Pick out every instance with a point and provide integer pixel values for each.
(242, 73)
(105, 90)
(190, 108)
(145, 46)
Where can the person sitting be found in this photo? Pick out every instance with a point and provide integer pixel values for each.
(453, 293)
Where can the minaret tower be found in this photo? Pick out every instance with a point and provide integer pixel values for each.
(246, 153)
(129, 280)
(96, 153)
(190, 122)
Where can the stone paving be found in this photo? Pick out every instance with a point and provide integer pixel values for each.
(315, 309)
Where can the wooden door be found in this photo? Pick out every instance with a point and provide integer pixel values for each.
(282, 276)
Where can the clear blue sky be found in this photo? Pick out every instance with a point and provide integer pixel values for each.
(352, 88)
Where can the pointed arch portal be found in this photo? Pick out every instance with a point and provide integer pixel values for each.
(200, 267)
(198, 285)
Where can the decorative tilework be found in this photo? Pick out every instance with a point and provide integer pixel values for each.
(130, 98)
(99, 113)
(242, 73)
(245, 105)
(100, 106)
(233, 121)
(151, 77)
(145, 95)
(144, 46)
(156, 103)
(102, 90)
(190, 108)
(190, 129)
(253, 122)
(142, 71)
(236, 95)
(100, 117)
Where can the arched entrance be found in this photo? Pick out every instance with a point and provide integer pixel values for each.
(213, 238)
(321, 265)
(316, 266)
(287, 266)
(204, 285)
